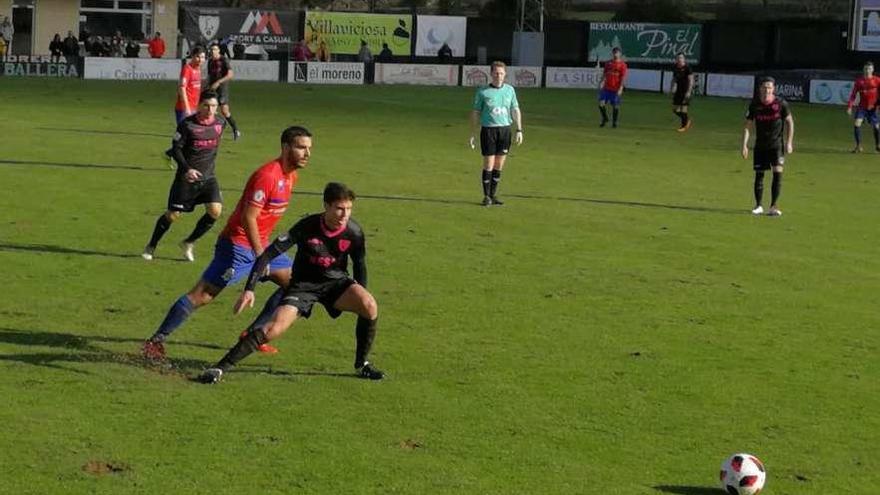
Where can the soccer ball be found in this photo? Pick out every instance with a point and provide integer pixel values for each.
(743, 474)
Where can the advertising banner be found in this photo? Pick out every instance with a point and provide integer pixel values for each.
(699, 83)
(343, 32)
(642, 42)
(325, 72)
(435, 30)
(423, 74)
(865, 25)
(573, 77)
(736, 86)
(255, 70)
(257, 30)
(830, 92)
(39, 66)
(645, 80)
(518, 77)
(793, 89)
(132, 69)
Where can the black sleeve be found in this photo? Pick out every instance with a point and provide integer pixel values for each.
(785, 111)
(359, 262)
(750, 113)
(278, 246)
(181, 137)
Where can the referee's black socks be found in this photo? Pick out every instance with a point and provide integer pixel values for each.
(162, 226)
(487, 181)
(615, 114)
(365, 332)
(242, 349)
(496, 178)
(232, 123)
(202, 226)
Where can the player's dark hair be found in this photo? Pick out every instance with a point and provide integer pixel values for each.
(680, 54)
(291, 133)
(869, 63)
(337, 191)
(207, 95)
(196, 51)
(766, 79)
(616, 49)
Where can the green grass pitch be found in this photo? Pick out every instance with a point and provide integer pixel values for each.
(619, 326)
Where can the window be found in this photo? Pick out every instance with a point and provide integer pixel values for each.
(105, 17)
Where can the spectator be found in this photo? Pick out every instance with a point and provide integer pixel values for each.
(365, 55)
(8, 32)
(56, 48)
(2, 45)
(156, 46)
(116, 45)
(385, 55)
(445, 54)
(301, 52)
(323, 54)
(106, 48)
(132, 49)
(71, 47)
(238, 50)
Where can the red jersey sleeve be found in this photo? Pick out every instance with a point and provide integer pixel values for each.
(184, 76)
(258, 190)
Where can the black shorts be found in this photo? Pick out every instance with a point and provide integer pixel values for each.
(681, 99)
(495, 140)
(184, 196)
(223, 94)
(304, 295)
(765, 159)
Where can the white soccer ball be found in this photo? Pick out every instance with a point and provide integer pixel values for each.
(743, 474)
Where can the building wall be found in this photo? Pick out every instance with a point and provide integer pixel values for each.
(54, 16)
(165, 22)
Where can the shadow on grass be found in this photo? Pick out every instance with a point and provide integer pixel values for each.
(612, 202)
(81, 165)
(108, 132)
(83, 349)
(689, 490)
(48, 248)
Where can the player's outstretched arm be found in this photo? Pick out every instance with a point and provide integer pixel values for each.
(789, 134)
(517, 119)
(475, 124)
(745, 139)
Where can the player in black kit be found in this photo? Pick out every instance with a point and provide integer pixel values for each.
(769, 115)
(219, 75)
(324, 242)
(682, 88)
(194, 148)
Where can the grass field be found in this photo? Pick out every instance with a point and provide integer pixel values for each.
(620, 326)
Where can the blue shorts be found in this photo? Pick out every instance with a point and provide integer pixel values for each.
(608, 96)
(232, 262)
(179, 115)
(869, 115)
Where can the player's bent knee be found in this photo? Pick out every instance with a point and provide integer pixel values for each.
(172, 216)
(369, 306)
(215, 210)
(203, 293)
(777, 169)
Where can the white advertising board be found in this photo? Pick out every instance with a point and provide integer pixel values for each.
(423, 74)
(732, 85)
(573, 77)
(518, 77)
(255, 70)
(131, 69)
(645, 80)
(830, 92)
(699, 83)
(325, 72)
(434, 30)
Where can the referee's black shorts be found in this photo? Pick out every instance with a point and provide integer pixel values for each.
(495, 140)
(184, 196)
